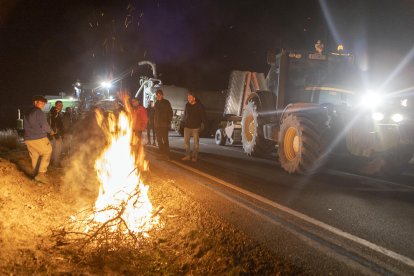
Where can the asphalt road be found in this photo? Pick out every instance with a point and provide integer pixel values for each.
(332, 222)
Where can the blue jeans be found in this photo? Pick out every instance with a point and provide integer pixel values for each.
(57, 146)
(187, 135)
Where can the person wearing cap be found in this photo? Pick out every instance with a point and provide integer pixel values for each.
(162, 122)
(36, 129)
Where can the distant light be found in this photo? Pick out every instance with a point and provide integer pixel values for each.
(404, 102)
(340, 48)
(71, 98)
(111, 98)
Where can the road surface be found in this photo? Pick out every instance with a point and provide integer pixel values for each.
(332, 222)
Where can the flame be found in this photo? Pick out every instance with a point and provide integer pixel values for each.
(122, 194)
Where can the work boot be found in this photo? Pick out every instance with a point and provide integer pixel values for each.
(186, 158)
(42, 178)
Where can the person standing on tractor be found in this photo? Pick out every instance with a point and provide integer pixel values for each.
(162, 122)
(194, 116)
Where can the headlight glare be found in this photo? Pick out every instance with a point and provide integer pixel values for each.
(371, 100)
(377, 116)
(397, 117)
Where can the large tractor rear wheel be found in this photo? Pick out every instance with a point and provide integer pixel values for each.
(252, 137)
(300, 146)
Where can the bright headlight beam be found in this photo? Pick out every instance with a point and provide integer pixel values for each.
(377, 116)
(397, 117)
(371, 100)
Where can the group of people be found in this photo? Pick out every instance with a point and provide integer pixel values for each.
(156, 118)
(45, 139)
(194, 116)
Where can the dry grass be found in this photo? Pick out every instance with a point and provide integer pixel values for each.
(9, 139)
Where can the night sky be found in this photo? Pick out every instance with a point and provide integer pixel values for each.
(46, 45)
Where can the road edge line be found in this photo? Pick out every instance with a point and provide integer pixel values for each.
(339, 232)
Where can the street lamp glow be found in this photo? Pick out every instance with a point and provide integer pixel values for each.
(106, 84)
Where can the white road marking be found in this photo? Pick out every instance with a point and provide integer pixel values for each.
(304, 217)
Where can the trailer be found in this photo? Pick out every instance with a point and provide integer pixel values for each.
(213, 101)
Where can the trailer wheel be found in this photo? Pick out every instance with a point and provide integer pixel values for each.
(178, 125)
(220, 137)
(252, 138)
(299, 145)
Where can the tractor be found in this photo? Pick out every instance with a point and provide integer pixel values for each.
(310, 107)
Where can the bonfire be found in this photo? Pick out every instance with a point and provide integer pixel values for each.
(123, 208)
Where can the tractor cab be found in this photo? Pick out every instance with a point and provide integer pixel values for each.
(306, 77)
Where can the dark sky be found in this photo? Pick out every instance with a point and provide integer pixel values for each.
(46, 45)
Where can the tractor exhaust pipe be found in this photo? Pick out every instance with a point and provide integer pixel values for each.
(153, 67)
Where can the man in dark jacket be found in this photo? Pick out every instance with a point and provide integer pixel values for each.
(56, 124)
(162, 122)
(194, 115)
(36, 129)
(150, 126)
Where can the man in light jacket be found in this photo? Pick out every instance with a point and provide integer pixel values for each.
(35, 135)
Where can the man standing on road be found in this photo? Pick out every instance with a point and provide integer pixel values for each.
(68, 120)
(35, 135)
(150, 126)
(139, 119)
(56, 124)
(162, 122)
(194, 115)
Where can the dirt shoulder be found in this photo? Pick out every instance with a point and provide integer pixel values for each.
(188, 240)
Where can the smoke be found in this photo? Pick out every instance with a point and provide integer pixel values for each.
(80, 179)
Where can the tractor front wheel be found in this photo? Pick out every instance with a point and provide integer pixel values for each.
(300, 149)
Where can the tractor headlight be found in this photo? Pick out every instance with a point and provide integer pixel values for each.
(371, 100)
(377, 116)
(397, 117)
